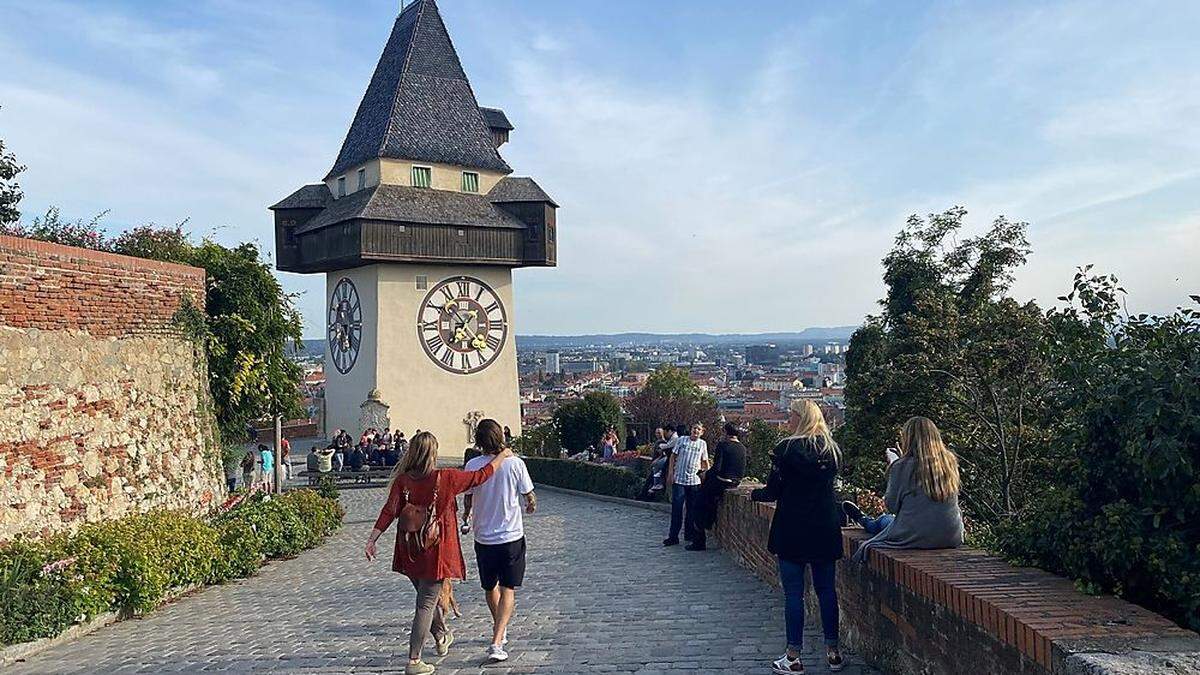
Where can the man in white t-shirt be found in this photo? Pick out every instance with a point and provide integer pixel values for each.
(499, 530)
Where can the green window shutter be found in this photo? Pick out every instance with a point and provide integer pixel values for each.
(470, 181)
(422, 176)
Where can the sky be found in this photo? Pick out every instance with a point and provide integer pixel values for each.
(721, 166)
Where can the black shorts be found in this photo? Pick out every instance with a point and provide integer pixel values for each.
(502, 564)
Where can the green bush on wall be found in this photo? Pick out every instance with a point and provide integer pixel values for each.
(595, 478)
(131, 564)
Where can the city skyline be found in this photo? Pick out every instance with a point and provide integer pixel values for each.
(797, 139)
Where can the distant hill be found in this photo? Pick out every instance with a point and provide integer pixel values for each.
(808, 335)
(816, 335)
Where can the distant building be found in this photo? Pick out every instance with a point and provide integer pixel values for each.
(584, 366)
(808, 350)
(552, 364)
(763, 355)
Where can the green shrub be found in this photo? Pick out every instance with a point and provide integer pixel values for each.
(36, 603)
(131, 564)
(595, 478)
(327, 487)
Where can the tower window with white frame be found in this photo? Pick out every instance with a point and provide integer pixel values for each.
(341, 186)
(362, 179)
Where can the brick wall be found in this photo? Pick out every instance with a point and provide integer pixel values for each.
(101, 400)
(54, 287)
(966, 611)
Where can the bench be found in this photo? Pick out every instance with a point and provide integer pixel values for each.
(364, 476)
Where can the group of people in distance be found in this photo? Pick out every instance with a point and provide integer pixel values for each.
(375, 449)
(422, 502)
(805, 535)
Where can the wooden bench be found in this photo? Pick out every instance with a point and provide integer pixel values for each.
(364, 476)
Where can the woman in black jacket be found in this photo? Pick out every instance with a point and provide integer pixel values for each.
(806, 528)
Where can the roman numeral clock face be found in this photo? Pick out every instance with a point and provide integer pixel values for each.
(345, 325)
(462, 325)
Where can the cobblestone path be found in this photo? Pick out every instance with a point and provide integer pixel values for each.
(601, 595)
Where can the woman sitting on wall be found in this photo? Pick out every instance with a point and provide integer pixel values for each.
(806, 528)
(922, 492)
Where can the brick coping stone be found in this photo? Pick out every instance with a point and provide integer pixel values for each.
(1054, 627)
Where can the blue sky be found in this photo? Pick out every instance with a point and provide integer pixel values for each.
(722, 166)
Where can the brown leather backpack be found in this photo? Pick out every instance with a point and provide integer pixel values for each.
(420, 528)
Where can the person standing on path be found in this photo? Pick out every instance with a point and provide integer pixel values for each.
(688, 458)
(499, 530)
(806, 528)
(266, 461)
(423, 499)
(728, 469)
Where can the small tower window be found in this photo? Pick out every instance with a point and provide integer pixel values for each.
(422, 282)
(362, 179)
(342, 186)
(422, 176)
(470, 181)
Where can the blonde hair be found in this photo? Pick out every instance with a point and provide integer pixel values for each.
(420, 459)
(937, 466)
(811, 424)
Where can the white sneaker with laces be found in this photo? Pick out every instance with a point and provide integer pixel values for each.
(786, 665)
(496, 654)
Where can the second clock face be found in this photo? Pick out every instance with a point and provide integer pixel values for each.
(462, 325)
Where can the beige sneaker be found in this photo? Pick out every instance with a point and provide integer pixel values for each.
(418, 668)
(443, 645)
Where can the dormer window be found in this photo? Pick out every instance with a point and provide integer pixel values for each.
(422, 176)
(362, 179)
(342, 186)
(470, 181)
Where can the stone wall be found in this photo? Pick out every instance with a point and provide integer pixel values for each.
(966, 611)
(103, 404)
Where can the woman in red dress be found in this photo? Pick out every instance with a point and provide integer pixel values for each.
(415, 481)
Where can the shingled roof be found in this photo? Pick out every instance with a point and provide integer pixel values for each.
(419, 104)
(519, 189)
(308, 197)
(421, 206)
(495, 118)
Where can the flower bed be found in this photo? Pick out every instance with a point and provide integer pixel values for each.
(601, 479)
(130, 564)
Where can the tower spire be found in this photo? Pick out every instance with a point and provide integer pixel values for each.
(419, 104)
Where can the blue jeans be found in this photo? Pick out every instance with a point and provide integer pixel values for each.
(794, 585)
(874, 526)
(681, 496)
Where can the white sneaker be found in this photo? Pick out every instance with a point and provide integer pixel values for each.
(496, 654)
(786, 665)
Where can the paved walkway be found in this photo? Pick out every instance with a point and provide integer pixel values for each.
(602, 596)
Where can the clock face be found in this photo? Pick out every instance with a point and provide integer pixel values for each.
(345, 325)
(462, 325)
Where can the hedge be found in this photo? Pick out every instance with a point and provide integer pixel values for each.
(599, 479)
(130, 564)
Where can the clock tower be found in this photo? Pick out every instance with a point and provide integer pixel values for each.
(417, 228)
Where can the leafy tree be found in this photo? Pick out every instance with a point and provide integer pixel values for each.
(10, 192)
(948, 345)
(760, 441)
(169, 244)
(670, 397)
(675, 383)
(539, 441)
(51, 227)
(1120, 514)
(582, 421)
(249, 324)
